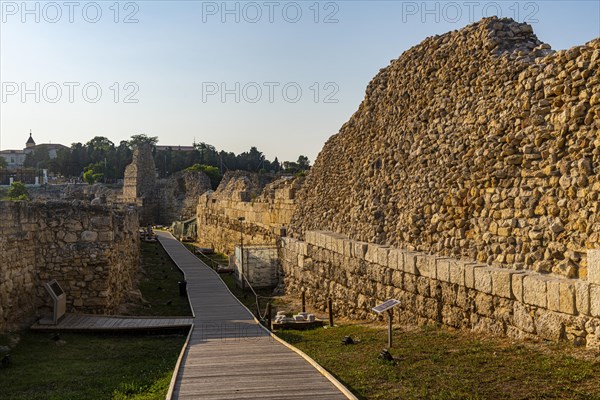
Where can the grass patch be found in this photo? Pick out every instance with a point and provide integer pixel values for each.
(90, 366)
(102, 366)
(434, 363)
(159, 285)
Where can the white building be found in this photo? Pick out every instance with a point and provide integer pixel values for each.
(16, 158)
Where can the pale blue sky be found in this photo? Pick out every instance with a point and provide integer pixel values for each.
(179, 50)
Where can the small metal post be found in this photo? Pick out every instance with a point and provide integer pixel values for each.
(303, 301)
(389, 329)
(269, 327)
(330, 307)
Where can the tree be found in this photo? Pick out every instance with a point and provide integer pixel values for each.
(18, 191)
(303, 163)
(136, 140)
(93, 173)
(275, 166)
(38, 158)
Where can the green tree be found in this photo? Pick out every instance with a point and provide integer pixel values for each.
(18, 191)
(303, 163)
(38, 158)
(93, 173)
(136, 140)
(275, 166)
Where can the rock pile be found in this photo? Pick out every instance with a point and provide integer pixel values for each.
(481, 143)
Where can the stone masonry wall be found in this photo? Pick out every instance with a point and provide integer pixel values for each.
(92, 251)
(450, 291)
(178, 195)
(264, 209)
(479, 143)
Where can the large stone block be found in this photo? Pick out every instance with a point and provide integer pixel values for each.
(360, 250)
(310, 237)
(382, 255)
(595, 300)
(535, 291)
(457, 272)
(502, 282)
(593, 261)
(470, 269)
(483, 279)
(371, 254)
(516, 281)
(582, 297)
(395, 259)
(410, 262)
(425, 264)
(348, 248)
(442, 268)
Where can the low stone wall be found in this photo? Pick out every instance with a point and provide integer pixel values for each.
(450, 291)
(264, 213)
(92, 251)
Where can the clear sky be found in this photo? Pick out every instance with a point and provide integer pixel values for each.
(282, 76)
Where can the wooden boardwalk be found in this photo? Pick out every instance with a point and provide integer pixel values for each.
(229, 355)
(104, 323)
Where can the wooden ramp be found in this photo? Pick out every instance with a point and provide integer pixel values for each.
(104, 323)
(229, 355)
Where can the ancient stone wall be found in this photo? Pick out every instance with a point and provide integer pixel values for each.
(92, 251)
(434, 289)
(264, 207)
(480, 143)
(178, 195)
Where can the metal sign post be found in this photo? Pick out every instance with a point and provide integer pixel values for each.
(387, 305)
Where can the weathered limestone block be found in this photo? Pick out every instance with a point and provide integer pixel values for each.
(595, 300)
(516, 281)
(561, 296)
(410, 263)
(443, 269)
(425, 265)
(502, 282)
(523, 317)
(394, 259)
(409, 282)
(360, 250)
(483, 279)
(593, 266)
(534, 290)
(372, 253)
(457, 272)
(470, 269)
(382, 255)
(549, 325)
(582, 297)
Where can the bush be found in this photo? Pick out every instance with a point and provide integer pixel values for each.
(18, 191)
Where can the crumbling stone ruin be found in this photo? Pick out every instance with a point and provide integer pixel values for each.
(178, 195)
(466, 185)
(264, 201)
(92, 251)
(140, 175)
(161, 201)
(139, 184)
